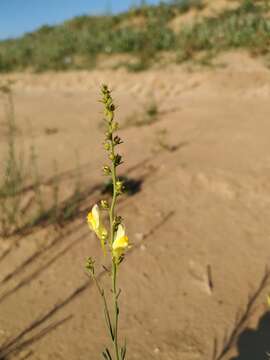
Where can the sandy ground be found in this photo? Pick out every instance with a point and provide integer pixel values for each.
(194, 284)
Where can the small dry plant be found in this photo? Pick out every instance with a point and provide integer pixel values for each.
(22, 193)
(114, 241)
(13, 173)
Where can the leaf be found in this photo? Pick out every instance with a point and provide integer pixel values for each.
(108, 322)
(108, 354)
(105, 355)
(123, 352)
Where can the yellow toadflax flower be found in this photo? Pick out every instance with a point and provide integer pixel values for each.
(120, 243)
(95, 224)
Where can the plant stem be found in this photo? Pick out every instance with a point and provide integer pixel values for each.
(116, 310)
(113, 200)
(106, 309)
(114, 265)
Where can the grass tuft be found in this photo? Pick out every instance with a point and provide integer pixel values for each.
(25, 201)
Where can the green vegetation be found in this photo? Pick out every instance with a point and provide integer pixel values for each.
(143, 33)
(14, 173)
(245, 27)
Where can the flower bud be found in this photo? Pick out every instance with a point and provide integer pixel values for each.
(117, 221)
(111, 107)
(115, 126)
(107, 146)
(117, 140)
(106, 170)
(117, 160)
(119, 186)
(108, 135)
(90, 265)
(104, 204)
(105, 92)
(111, 157)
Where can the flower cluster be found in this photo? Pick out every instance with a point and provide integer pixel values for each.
(120, 240)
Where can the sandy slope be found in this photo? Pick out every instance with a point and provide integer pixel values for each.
(199, 224)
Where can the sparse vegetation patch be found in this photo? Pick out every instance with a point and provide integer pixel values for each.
(143, 32)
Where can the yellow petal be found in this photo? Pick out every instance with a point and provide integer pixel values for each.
(93, 218)
(96, 225)
(95, 213)
(120, 243)
(91, 221)
(119, 233)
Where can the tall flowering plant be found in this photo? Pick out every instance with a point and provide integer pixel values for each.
(114, 241)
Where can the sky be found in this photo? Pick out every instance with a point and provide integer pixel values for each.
(20, 16)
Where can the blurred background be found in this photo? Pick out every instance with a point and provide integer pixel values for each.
(82, 35)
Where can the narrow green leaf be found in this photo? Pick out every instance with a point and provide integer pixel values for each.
(108, 354)
(123, 352)
(108, 322)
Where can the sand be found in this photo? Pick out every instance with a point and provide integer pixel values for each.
(194, 284)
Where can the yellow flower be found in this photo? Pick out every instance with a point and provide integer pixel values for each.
(120, 243)
(95, 224)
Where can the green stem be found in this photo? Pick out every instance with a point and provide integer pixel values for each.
(113, 197)
(114, 265)
(116, 311)
(106, 309)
